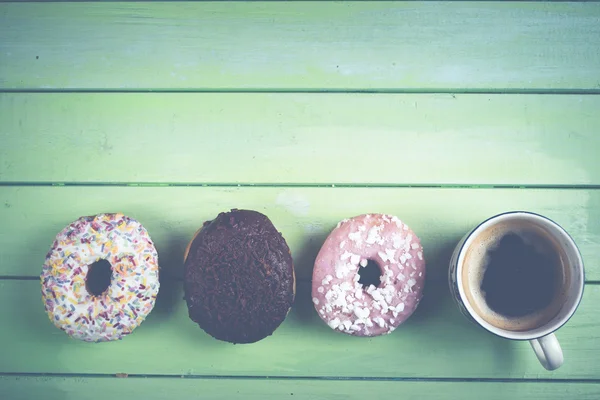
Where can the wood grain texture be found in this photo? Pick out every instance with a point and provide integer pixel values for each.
(300, 45)
(436, 114)
(301, 138)
(437, 341)
(27, 388)
(32, 216)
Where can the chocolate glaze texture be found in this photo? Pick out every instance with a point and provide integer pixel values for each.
(239, 279)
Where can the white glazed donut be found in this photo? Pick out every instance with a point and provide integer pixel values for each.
(342, 301)
(130, 296)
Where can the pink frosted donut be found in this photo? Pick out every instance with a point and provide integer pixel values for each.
(338, 292)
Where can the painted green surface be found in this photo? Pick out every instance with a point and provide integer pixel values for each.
(437, 341)
(307, 45)
(32, 216)
(450, 124)
(215, 389)
(301, 138)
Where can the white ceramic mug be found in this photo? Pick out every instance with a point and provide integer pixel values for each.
(542, 338)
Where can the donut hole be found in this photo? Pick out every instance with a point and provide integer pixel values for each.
(98, 277)
(370, 274)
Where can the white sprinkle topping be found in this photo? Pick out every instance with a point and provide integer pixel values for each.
(383, 256)
(329, 295)
(359, 308)
(361, 313)
(397, 241)
(334, 323)
(355, 237)
(391, 253)
(341, 222)
(341, 270)
(388, 274)
(377, 296)
(373, 235)
(327, 280)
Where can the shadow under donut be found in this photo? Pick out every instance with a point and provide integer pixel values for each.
(304, 262)
(170, 260)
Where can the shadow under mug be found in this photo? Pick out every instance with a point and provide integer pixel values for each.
(542, 338)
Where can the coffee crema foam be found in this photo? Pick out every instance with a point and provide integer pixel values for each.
(476, 260)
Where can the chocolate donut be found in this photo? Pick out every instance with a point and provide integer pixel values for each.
(239, 277)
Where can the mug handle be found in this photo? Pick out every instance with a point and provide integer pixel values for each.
(548, 351)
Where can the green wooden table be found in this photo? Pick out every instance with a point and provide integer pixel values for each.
(442, 113)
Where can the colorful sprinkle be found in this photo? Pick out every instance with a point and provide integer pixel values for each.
(131, 295)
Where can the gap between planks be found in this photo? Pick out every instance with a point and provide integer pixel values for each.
(300, 378)
(425, 91)
(291, 1)
(303, 185)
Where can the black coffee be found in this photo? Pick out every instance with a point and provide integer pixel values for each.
(519, 280)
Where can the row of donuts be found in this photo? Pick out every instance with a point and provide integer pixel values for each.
(100, 278)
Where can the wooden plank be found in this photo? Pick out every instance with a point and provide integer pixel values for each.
(303, 45)
(300, 138)
(31, 217)
(80, 388)
(437, 341)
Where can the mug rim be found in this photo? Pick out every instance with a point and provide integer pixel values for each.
(504, 333)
